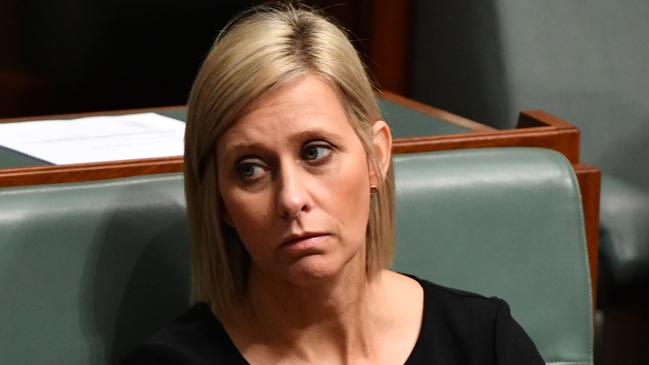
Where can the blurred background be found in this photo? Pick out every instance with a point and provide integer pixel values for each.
(583, 61)
(64, 56)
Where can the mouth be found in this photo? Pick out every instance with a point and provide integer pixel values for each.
(304, 238)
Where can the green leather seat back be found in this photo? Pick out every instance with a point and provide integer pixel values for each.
(89, 270)
(505, 223)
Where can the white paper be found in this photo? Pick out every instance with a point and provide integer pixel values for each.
(96, 139)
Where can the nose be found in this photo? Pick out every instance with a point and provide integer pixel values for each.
(292, 193)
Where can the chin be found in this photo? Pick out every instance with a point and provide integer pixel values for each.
(308, 271)
(315, 269)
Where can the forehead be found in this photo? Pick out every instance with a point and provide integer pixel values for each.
(305, 104)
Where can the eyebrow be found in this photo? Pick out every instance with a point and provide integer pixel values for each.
(315, 133)
(241, 148)
(297, 138)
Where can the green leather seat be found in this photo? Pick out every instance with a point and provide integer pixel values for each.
(89, 270)
(506, 223)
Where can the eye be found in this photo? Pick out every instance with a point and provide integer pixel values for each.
(315, 151)
(250, 170)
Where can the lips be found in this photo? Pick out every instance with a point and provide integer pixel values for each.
(304, 239)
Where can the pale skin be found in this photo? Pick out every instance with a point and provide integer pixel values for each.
(295, 181)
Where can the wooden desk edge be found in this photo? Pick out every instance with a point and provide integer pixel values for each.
(565, 141)
(88, 172)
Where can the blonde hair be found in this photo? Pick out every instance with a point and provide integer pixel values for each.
(256, 54)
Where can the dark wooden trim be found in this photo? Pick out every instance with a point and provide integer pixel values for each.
(590, 178)
(532, 119)
(544, 137)
(389, 46)
(88, 172)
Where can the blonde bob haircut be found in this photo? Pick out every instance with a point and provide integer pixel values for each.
(259, 52)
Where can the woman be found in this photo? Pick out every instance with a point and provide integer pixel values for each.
(290, 189)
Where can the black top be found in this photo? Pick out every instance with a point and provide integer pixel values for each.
(457, 328)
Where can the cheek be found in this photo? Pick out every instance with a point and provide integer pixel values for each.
(350, 198)
(247, 214)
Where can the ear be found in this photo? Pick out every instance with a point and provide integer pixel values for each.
(382, 144)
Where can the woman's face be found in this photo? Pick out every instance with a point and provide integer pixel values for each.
(295, 182)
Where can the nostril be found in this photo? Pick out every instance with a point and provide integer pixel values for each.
(292, 194)
(291, 202)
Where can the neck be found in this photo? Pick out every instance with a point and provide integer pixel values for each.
(323, 318)
(303, 305)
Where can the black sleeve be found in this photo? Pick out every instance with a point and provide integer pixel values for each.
(512, 345)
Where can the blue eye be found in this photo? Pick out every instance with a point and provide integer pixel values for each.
(249, 170)
(246, 170)
(315, 152)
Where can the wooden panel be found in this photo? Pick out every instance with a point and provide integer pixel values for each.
(88, 172)
(390, 44)
(535, 129)
(545, 137)
(589, 178)
(532, 119)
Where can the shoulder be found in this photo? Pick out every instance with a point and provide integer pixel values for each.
(459, 313)
(470, 328)
(196, 337)
(450, 301)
